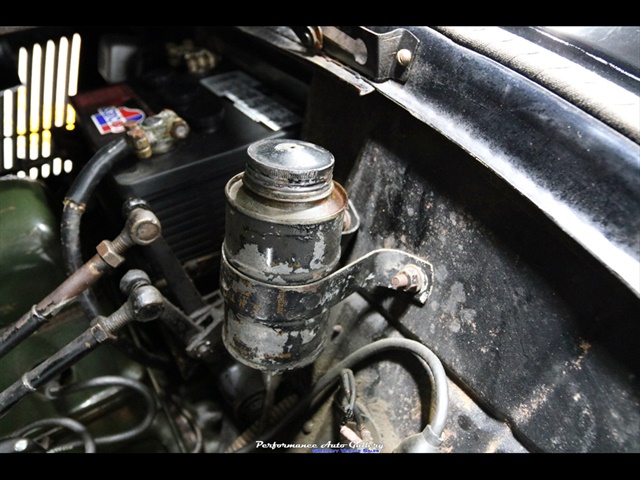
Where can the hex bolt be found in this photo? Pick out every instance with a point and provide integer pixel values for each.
(410, 279)
(404, 57)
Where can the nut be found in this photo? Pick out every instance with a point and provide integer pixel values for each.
(138, 140)
(108, 253)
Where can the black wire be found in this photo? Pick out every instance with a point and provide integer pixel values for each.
(111, 381)
(87, 440)
(96, 168)
(348, 402)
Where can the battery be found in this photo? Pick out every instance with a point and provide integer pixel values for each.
(185, 186)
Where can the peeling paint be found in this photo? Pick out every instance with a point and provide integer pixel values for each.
(318, 253)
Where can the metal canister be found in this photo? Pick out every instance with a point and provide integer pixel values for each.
(284, 223)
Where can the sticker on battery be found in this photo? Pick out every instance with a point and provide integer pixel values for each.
(112, 119)
(244, 91)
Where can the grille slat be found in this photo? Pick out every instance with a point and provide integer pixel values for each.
(35, 109)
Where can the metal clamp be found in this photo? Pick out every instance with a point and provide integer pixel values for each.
(378, 56)
(270, 303)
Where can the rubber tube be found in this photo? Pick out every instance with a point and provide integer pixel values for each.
(75, 204)
(69, 423)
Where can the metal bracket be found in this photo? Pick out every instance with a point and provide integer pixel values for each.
(310, 37)
(268, 303)
(378, 56)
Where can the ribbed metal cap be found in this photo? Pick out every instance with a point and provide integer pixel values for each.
(289, 170)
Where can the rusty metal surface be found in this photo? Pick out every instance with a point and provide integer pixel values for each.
(269, 325)
(281, 303)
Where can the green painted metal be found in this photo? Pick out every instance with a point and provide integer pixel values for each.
(30, 254)
(31, 267)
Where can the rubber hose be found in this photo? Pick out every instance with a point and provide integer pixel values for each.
(75, 203)
(69, 423)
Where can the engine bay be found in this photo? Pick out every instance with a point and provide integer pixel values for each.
(244, 240)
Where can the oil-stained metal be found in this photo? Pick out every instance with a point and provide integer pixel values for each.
(259, 312)
(284, 226)
(156, 134)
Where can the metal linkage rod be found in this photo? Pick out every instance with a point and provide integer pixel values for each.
(142, 227)
(144, 303)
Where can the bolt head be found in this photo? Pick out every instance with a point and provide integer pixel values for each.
(143, 226)
(147, 303)
(179, 129)
(133, 279)
(404, 57)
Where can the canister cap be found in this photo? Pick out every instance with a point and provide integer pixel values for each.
(289, 170)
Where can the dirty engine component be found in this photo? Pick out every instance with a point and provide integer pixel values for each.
(319, 239)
